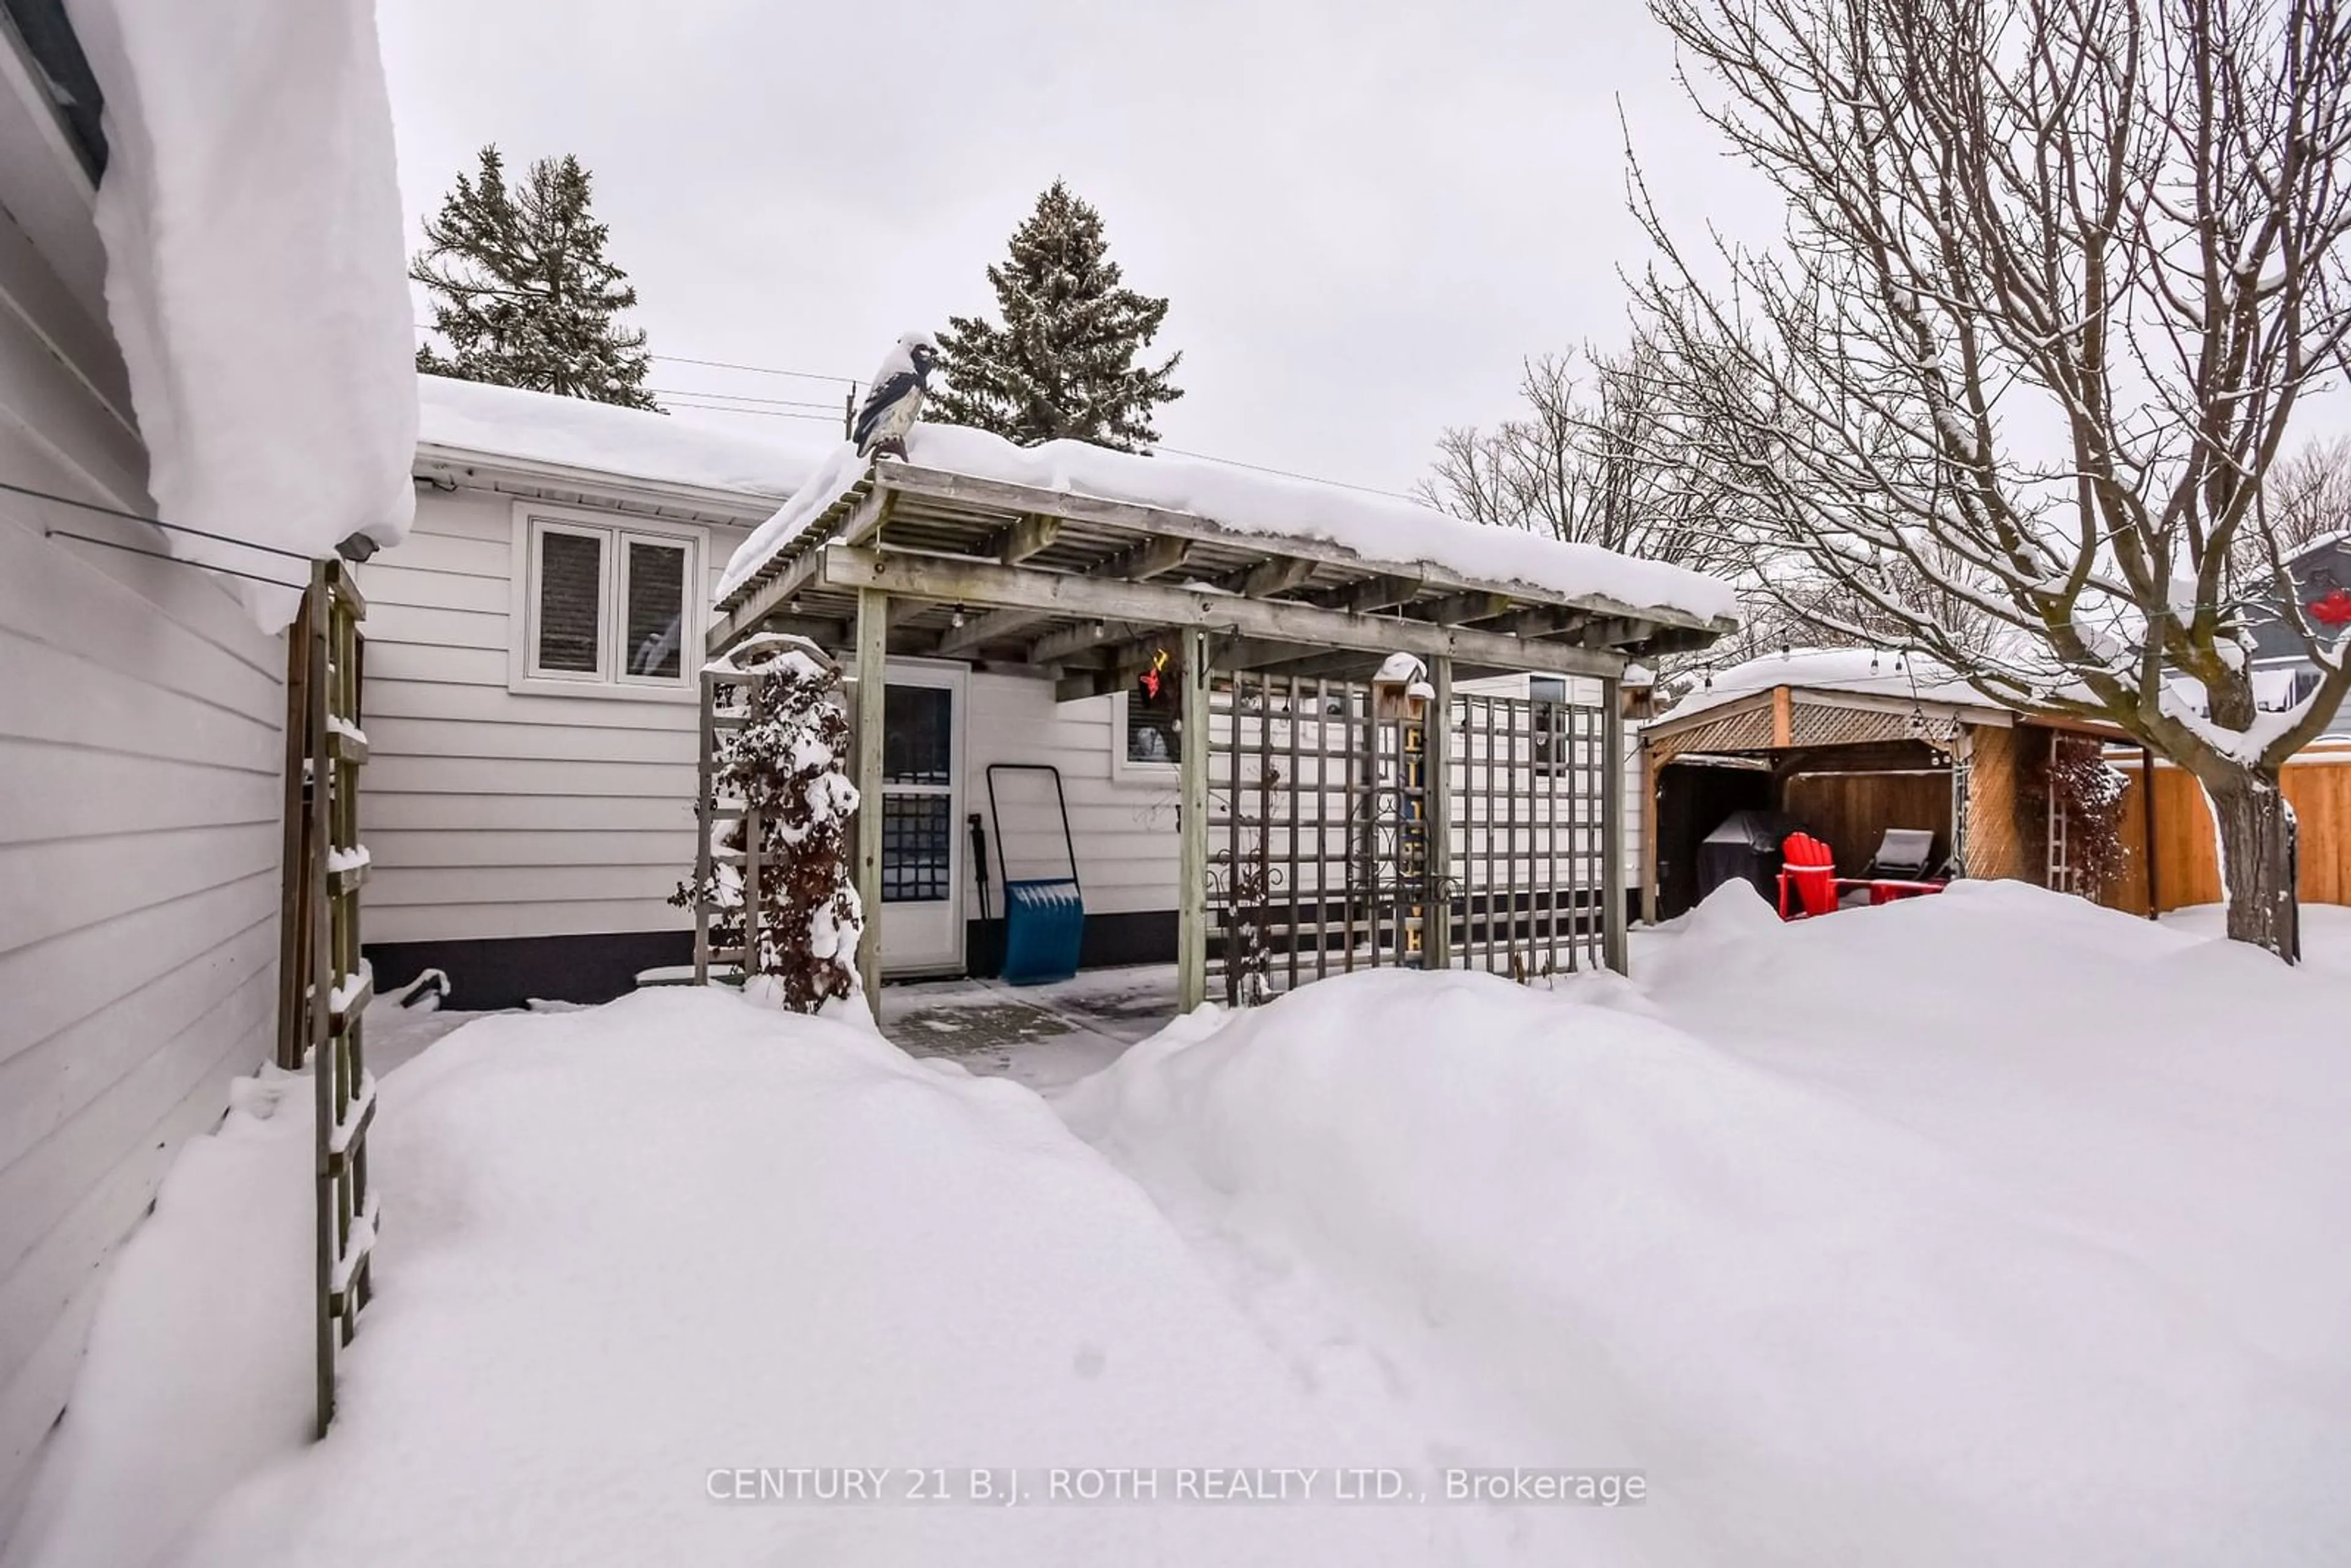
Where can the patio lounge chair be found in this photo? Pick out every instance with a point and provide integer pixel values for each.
(1900, 868)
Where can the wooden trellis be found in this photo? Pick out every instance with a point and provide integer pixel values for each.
(1331, 848)
(726, 934)
(324, 985)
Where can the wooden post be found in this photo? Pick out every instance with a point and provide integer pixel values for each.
(1611, 824)
(293, 901)
(2146, 828)
(1192, 828)
(321, 987)
(1650, 779)
(705, 817)
(1437, 929)
(873, 691)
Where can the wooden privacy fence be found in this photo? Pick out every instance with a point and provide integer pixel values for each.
(2188, 870)
(324, 986)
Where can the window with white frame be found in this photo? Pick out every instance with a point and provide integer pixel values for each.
(607, 605)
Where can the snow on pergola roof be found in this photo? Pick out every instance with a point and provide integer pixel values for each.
(1079, 561)
(459, 420)
(1376, 530)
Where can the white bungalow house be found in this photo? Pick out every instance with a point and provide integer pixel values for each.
(531, 698)
(143, 705)
(531, 701)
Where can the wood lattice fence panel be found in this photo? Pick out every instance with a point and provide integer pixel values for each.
(1531, 785)
(1302, 833)
(1318, 829)
(324, 985)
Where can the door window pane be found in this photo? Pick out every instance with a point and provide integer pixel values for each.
(656, 609)
(571, 601)
(918, 724)
(916, 849)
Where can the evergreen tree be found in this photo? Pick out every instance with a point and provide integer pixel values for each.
(1063, 364)
(522, 294)
(785, 761)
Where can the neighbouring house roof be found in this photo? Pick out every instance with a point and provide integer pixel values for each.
(470, 421)
(1375, 530)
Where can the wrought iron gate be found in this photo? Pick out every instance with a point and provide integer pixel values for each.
(324, 986)
(1320, 824)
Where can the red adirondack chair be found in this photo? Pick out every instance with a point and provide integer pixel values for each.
(1809, 868)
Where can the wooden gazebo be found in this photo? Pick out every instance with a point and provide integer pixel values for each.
(908, 561)
(1853, 742)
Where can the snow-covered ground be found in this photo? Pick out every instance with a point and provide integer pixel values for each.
(1992, 1228)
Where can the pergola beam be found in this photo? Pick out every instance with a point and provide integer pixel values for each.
(1372, 593)
(1281, 574)
(1139, 563)
(941, 580)
(1032, 535)
(863, 522)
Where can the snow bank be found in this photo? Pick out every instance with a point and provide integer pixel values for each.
(1986, 1228)
(471, 418)
(1377, 527)
(256, 275)
(198, 1364)
(630, 1246)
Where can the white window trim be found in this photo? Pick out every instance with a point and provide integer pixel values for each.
(615, 528)
(1123, 768)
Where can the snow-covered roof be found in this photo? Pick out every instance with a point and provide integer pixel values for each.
(1376, 529)
(472, 418)
(1865, 672)
(257, 277)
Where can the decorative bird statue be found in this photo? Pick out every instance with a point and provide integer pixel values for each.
(896, 398)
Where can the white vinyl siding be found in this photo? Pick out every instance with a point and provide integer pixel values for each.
(141, 752)
(504, 808)
(1124, 827)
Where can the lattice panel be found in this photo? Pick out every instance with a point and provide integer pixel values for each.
(1318, 834)
(1812, 723)
(326, 986)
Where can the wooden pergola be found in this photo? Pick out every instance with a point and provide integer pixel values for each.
(916, 561)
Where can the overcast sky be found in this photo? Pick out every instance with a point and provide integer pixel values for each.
(1364, 214)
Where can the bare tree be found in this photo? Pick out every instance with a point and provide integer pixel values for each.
(2308, 493)
(1588, 463)
(2057, 275)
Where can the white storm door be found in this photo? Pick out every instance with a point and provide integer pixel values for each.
(923, 837)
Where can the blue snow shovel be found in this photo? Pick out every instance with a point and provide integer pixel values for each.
(1044, 916)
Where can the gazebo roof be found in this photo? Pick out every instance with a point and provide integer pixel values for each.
(1074, 557)
(1813, 697)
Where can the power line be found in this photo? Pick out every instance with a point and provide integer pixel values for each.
(833, 418)
(743, 397)
(756, 369)
(768, 405)
(1288, 473)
